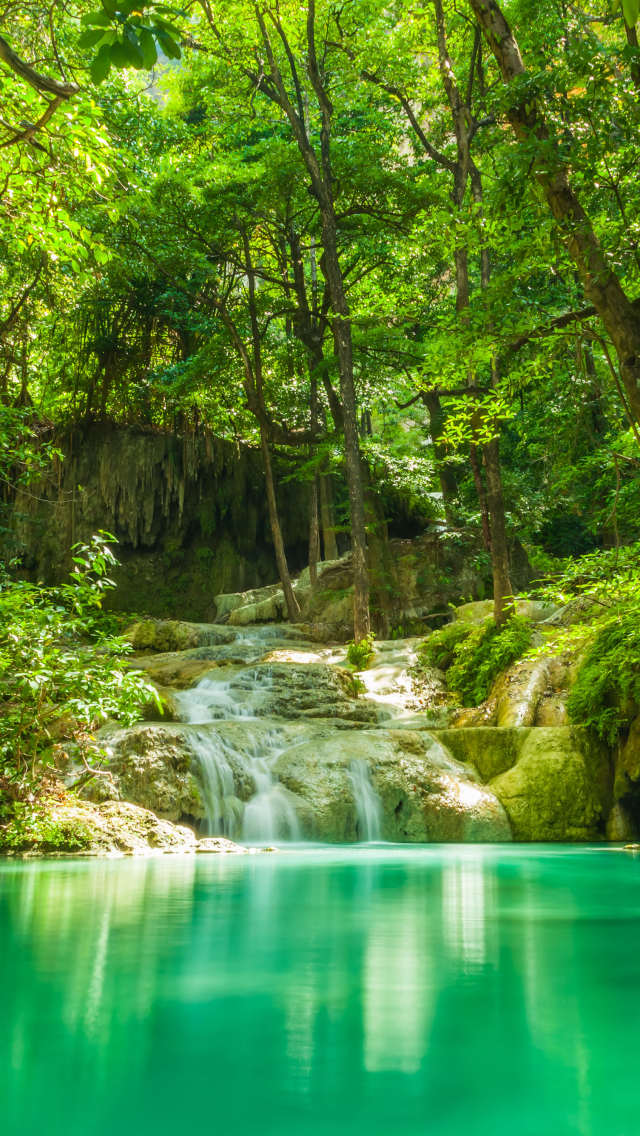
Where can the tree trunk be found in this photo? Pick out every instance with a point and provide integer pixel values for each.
(328, 519)
(446, 469)
(482, 497)
(314, 535)
(344, 351)
(602, 287)
(293, 608)
(379, 558)
(503, 607)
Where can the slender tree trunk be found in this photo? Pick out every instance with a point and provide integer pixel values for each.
(379, 559)
(314, 533)
(328, 519)
(482, 497)
(503, 607)
(445, 468)
(293, 608)
(602, 287)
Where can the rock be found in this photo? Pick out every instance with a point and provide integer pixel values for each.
(560, 788)
(621, 824)
(270, 608)
(517, 693)
(64, 825)
(425, 794)
(489, 752)
(151, 767)
(163, 635)
(219, 844)
(581, 609)
(552, 709)
(180, 672)
(477, 612)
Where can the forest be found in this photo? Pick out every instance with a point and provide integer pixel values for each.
(389, 248)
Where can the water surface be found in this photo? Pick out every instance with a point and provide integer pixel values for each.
(440, 991)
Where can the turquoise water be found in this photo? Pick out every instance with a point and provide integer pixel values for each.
(440, 991)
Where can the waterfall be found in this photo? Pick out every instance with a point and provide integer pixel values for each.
(269, 814)
(367, 802)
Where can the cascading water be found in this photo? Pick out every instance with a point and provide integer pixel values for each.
(367, 802)
(268, 815)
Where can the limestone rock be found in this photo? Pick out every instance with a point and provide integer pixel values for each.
(560, 788)
(489, 752)
(65, 825)
(161, 635)
(151, 767)
(426, 795)
(517, 693)
(477, 612)
(219, 844)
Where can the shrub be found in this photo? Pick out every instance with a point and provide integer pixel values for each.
(358, 654)
(60, 660)
(438, 650)
(609, 674)
(475, 655)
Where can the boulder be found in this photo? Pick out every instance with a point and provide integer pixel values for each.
(559, 789)
(477, 612)
(425, 794)
(151, 766)
(64, 825)
(161, 635)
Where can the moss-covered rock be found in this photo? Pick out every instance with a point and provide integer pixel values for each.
(426, 795)
(560, 788)
(63, 825)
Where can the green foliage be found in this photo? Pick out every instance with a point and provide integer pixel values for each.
(475, 655)
(439, 649)
(358, 654)
(609, 675)
(61, 670)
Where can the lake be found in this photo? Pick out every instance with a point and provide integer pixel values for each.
(353, 991)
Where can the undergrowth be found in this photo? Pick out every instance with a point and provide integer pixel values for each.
(609, 676)
(474, 656)
(62, 674)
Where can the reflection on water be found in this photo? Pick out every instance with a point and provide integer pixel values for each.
(434, 991)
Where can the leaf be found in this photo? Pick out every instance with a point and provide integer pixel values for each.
(149, 52)
(90, 38)
(631, 11)
(96, 18)
(101, 65)
(110, 7)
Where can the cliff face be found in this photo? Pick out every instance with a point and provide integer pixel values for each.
(189, 513)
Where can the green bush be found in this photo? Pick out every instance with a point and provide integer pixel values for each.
(609, 675)
(475, 655)
(438, 650)
(358, 654)
(60, 662)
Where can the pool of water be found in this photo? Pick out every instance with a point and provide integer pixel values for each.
(440, 991)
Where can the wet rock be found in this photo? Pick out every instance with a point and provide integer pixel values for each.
(517, 693)
(425, 794)
(560, 788)
(489, 752)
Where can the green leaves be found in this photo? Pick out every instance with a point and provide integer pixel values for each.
(129, 35)
(630, 10)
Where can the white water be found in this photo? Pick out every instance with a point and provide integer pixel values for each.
(367, 801)
(268, 814)
(224, 756)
